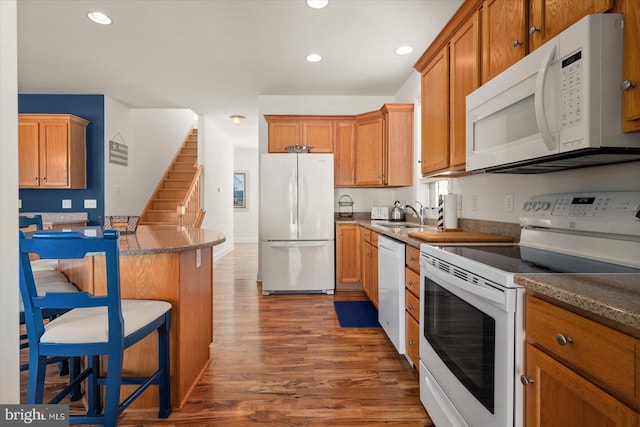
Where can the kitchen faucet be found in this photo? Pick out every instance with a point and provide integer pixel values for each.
(421, 214)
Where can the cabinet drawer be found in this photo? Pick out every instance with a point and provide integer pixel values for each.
(603, 353)
(412, 281)
(412, 303)
(413, 259)
(412, 339)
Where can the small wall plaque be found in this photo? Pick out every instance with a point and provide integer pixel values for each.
(118, 153)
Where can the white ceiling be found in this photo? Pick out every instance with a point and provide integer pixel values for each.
(217, 56)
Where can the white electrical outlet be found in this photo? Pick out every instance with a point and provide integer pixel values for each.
(90, 204)
(66, 204)
(508, 202)
(198, 258)
(19, 203)
(474, 203)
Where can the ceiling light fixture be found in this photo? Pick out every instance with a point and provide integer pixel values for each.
(403, 50)
(237, 119)
(314, 57)
(317, 4)
(99, 18)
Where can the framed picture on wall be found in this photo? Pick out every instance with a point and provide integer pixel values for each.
(240, 190)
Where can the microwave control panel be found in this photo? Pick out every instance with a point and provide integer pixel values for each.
(610, 212)
(571, 86)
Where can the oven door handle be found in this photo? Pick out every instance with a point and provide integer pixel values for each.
(496, 296)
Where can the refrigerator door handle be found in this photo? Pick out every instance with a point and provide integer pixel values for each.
(292, 244)
(302, 204)
(293, 196)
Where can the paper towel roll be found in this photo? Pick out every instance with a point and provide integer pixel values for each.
(450, 211)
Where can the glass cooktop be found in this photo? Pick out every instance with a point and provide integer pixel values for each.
(521, 259)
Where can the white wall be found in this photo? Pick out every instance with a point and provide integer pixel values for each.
(245, 221)
(9, 353)
(218, 184)
(153, 137)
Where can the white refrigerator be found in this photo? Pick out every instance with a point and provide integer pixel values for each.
(297, 223)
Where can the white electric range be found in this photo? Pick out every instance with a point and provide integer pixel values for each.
(471, 311)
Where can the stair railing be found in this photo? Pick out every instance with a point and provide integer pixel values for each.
(190, 213)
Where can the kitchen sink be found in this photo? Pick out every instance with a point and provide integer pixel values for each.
(390, 225)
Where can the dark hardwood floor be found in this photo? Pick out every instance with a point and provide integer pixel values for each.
(283, 360)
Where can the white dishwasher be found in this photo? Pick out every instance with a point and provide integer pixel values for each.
(391, 261)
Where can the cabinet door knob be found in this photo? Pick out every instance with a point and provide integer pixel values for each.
(563, 339)
(516, 43)
(411, 283)
(526, 380)
(35, 178)
(533, 29)
(411, 307)
(627, 84)
(412, 259)
(340, 233)
(44, 178)
(412, 342)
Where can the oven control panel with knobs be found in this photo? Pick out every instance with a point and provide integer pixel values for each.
(604, 212)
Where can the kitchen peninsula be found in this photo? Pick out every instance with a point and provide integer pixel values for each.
(163, 263)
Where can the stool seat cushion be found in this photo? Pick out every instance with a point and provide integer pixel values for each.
(44, 264)
(51, 285)
(90, 325)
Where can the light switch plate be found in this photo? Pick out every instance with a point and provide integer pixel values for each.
(90, 204)
(66, 204)
(19, 203)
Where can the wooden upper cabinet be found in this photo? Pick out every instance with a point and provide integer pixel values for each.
(631, 65)
(52, 151)
(369, 167)
(313, 131)
(547, 18)
(318, 135)
(464, 63)
(504, 37)
(344, 153)
(283, 134)
(398, 144)
(435, 114)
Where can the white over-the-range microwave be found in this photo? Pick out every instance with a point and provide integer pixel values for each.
(559, 107)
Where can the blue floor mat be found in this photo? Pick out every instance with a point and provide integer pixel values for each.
(356, 314)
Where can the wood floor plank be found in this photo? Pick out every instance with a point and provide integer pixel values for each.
(284, 360)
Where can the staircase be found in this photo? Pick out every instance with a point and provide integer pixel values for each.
(174, 198)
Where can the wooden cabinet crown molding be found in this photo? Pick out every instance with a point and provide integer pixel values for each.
(466, 9)
(271, 118)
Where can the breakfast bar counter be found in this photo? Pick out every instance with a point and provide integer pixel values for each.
(162, 263)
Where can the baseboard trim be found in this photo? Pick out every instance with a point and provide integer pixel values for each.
(219, 254)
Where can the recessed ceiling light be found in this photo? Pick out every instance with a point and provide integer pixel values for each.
(314, 57)
(403, 50)
(317, 4)
(99, 18)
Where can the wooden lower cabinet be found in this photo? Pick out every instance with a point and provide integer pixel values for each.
(347, 255)
(369, 263)
(412, 304)
(412, 339)
(579, 372)
(559, 397)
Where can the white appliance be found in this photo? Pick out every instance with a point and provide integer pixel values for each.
(297, 223)
(471, 311)
(380, 212)
(391, 293)
(559, 107)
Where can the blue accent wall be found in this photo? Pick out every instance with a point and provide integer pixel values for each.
(89, 107)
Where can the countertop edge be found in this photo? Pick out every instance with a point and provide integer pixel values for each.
(125, 251)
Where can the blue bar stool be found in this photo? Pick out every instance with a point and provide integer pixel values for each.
(93, 326)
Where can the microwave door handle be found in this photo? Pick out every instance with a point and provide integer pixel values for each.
(541, 117)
